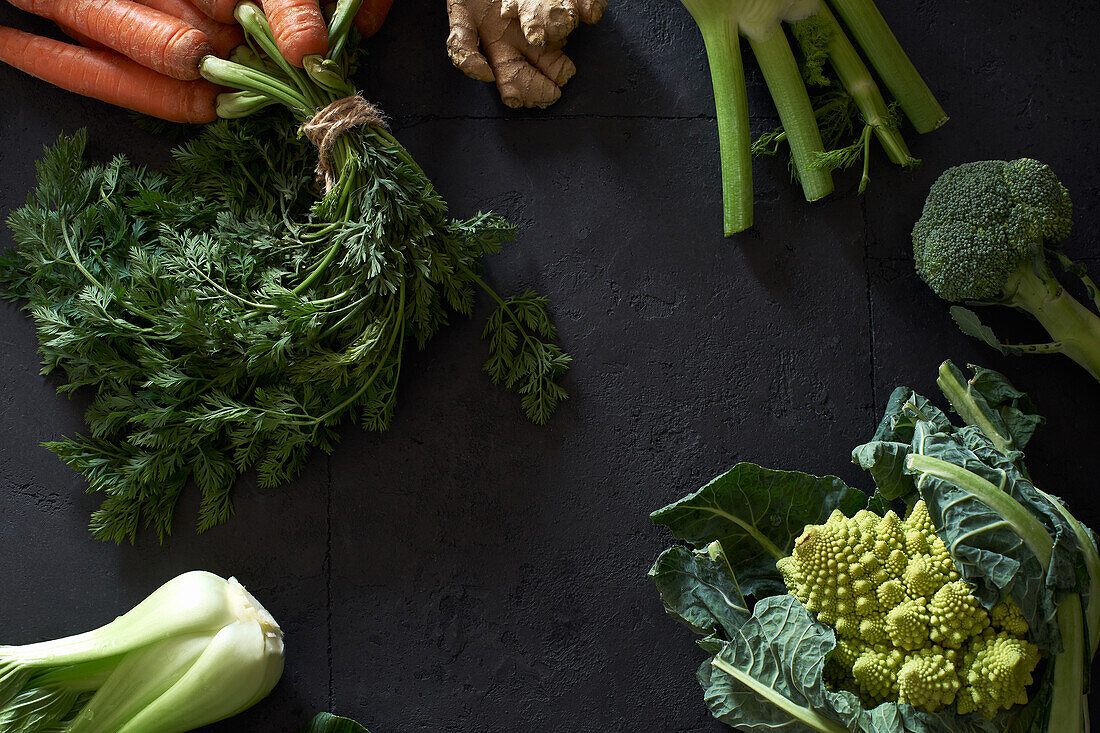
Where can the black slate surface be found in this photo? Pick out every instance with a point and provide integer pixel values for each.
(469, 571)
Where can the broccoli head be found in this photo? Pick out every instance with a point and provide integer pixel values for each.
(984, 236)
(983, 220)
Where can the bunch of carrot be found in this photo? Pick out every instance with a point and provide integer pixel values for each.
(144, 55)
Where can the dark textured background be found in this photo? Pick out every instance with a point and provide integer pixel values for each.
(469, 571)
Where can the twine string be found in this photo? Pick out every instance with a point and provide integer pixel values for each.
(330, 123)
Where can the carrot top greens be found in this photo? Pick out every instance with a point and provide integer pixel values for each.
(227, 316)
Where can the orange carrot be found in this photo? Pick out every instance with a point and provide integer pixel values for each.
(223, 37)
(219, 10)
(109, 77)
(299, 28)
(371, 15)
(150, 37)
(79, 37)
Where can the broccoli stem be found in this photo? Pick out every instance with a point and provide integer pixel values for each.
(731, 104)
(796, 113)
(856, 78)
(1034, 289)
(889, 59)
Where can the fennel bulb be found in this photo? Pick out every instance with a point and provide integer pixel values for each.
(198, 650)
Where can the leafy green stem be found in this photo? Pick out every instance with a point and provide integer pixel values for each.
(254, 23)
(340, 26)
(796, 113)
(731, 105)
(959, 393)
(396, 336)
(855, 77)
(76, 259)
(1023, 523)
(239, 76)
(503, 305)
(1067, 704)
(1092, 567)
(1074, 327)
(892, 64)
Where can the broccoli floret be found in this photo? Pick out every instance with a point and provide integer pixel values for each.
(984, 236)
(907, 628)
(982, 221)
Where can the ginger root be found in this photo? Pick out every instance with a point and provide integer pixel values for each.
(520, 42)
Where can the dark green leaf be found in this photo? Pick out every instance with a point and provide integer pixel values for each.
(970, 324)
(329, 723)
(783, 649)
(885, 461)
(756, 513)
(700, 590)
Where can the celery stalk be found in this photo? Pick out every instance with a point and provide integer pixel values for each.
(876, 39)
(856, 78)
(796, 113)
(732, 108)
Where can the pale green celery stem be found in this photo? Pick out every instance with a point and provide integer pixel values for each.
(141, 677)
(1092, 565)
(195, 606)
(1068, 711)
(234, 671)
(804, 715)
(727, 73)
(903, 80)
(85, 677)
(959, 395)
(1035, 289)
(796, 113)
(857, 80)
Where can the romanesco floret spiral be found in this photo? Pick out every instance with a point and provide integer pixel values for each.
(955, 615)
(876, 673)
(1005, 616)
(907, 624)
(891, 593)
(889, 537)
(997, 671)
(907, 628)
(927, 680)
(921, 578)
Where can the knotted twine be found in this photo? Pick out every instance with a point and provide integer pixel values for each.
(330, 123)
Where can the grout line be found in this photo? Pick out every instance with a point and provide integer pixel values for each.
(867, 260)
(411, 120)
(328, 581)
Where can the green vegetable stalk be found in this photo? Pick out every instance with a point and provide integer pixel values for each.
(813, 128)
(984, 237)
(227, 314)
(822, 608)
(198, 650)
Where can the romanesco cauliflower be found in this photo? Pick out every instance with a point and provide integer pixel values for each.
(908, 628)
